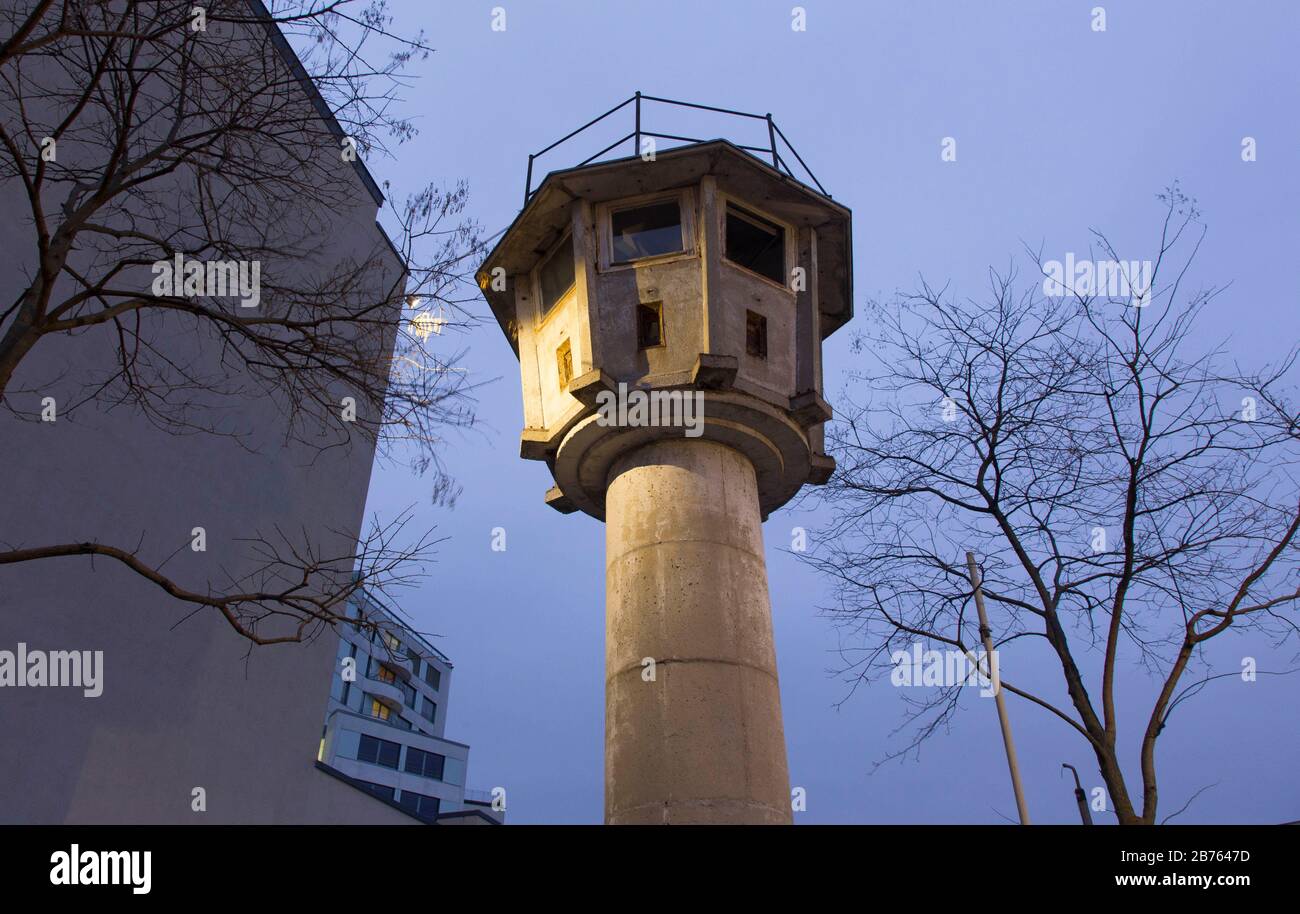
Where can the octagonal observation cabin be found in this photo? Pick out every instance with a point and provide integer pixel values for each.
(707, 265)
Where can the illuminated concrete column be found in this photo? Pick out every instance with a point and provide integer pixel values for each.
(693, 728)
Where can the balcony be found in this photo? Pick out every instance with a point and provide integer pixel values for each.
(387, 693)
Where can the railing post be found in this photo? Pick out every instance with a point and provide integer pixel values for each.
(771, 138)
(636, 143)
(528, 185)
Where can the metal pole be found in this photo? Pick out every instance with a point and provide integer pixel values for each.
(528, 185)
(1079, 796)
(636, 149)
(771, 138)
(986, 634)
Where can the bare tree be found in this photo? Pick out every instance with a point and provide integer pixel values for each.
(1129, 498)
(139, 137)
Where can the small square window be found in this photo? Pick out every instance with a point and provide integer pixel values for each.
(646, 231)
(564, 363)
(649, 324)
(755, 244)
(555, 277)
(756, 335)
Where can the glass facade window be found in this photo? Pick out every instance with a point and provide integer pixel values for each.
(425, 764)
(378, 790)
(419, 805)
(429, 710)
(376, 708)
(383, 752)
(432, 676)
(409, 692)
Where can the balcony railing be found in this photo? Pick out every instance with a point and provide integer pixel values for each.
(777, 141)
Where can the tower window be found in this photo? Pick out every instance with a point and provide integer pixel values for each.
(756, 335)
(649, 324)
(646, 231)
(755, 244)
(564, 362)
(555, 277)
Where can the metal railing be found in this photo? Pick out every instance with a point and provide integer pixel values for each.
(773, 149)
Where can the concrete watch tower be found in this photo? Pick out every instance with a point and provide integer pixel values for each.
(704, 269)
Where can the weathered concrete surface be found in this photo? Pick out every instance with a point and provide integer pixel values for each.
(686, 585)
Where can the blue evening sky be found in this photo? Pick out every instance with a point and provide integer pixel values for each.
(1059, 129)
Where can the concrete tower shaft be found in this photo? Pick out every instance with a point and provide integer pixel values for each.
(693, 728)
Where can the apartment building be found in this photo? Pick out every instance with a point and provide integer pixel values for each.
(386, 717)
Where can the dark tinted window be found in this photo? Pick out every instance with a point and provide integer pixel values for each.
(378, 790)
(378, 751)
(430, 710)
(755, 244)
(556, 275)
(432, 676)
(646, 231)
(425, 764)
(419, 805)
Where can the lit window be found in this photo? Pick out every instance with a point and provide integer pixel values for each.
(378, 709)
(646, 231)
(556, 275)
(756, 335)
(755, 244)
(381, 673)
(649, 325)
